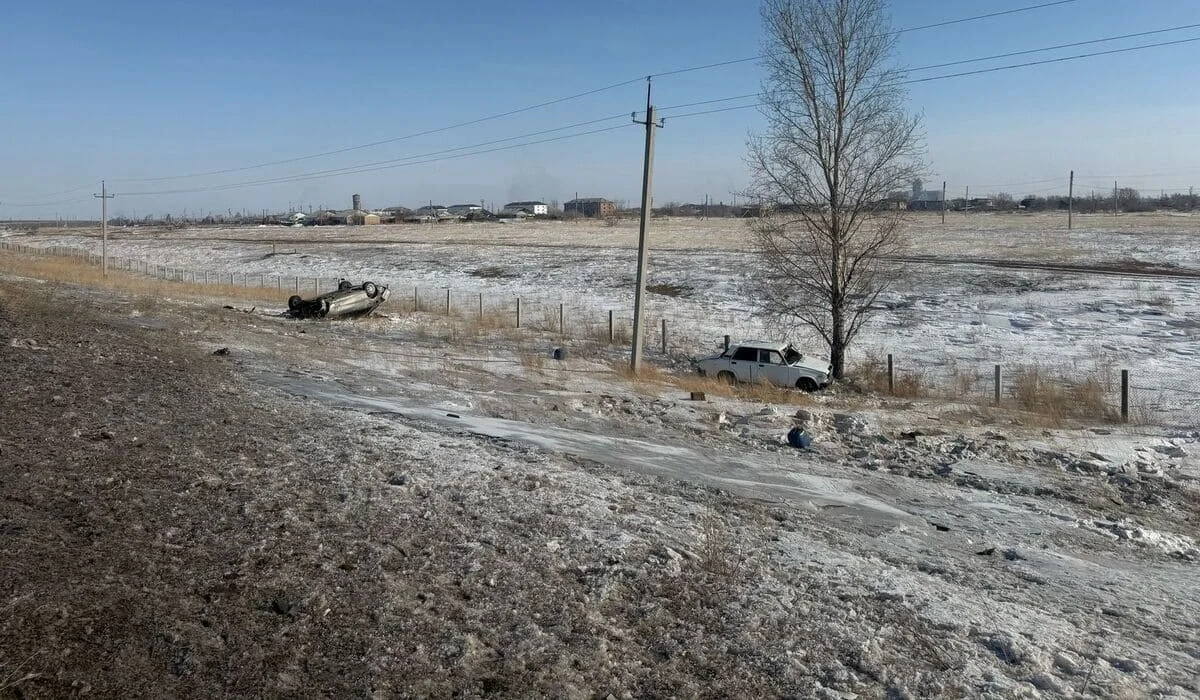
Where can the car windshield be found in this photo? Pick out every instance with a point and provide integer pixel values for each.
(791, 355)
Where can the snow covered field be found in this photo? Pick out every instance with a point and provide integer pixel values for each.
(947, 318)
(918, 549)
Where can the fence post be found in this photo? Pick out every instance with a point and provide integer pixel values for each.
(562, 329)
(1124, 396)
(262, 279)
(664, 336)
(447, 301)
(297, 284)
(996, 383)
(316, 286)
(481, 305)
(518, 312)
(206, 277)
(726, 343)
(279, 282)
(611, 330)
(891, 375)
(416, 298)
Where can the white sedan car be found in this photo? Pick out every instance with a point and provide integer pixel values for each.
(767, 361)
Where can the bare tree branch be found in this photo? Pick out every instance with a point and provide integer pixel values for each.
(837, 146)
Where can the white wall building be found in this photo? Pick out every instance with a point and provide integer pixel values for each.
(528, 208)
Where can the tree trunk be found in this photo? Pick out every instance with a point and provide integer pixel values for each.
(837, 343)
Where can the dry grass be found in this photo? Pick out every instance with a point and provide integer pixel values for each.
(651, 380)
(871, 376)
(76, 271)
(1039, 396)
(1057, 398)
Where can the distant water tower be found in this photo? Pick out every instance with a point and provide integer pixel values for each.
(357, 203)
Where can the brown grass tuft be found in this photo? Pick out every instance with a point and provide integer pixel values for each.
(652, 380)
(76, 271)
(1059, 398)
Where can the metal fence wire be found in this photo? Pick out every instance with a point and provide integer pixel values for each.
(1141, 395)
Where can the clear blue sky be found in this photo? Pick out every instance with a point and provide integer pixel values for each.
(126, 90)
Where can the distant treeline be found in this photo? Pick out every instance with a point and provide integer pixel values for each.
(1127, 200)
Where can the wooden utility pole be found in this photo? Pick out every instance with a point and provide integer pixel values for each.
(1114, 197)
(1070, 199)
(943, 201)
(104, 196)
(635, 359)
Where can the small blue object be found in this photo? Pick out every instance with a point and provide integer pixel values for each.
(796, 438)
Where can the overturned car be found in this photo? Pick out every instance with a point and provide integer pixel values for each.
(348, 301)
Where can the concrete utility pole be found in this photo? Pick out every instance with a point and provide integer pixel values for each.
(1070, 199)
(635, 361)
(104, 196)
(1114, 197)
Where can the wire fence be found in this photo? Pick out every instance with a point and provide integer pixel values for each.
(1135, 395)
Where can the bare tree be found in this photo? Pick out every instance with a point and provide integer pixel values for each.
(837, 145)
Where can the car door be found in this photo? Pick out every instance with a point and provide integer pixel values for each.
(743, 362)
(770, 368)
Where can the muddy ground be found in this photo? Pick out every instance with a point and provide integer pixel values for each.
(179, 523)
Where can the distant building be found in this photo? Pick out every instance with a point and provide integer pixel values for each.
(591, 206)
(922, 199)
(525, 208)
(464, 209)
(357, 217)
(436, 211)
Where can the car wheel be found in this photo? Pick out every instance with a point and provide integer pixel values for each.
(806, 384)
(294, 302)
(370, 289)
(344, 285)
(727, 377)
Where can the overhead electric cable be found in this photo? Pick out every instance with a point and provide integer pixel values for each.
(427, 132)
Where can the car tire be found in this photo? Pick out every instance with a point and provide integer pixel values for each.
(806, 384)
(370, 289)
(294, 302)
(344, 285)
(727, 377)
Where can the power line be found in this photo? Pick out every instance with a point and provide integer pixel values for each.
(994, 69)
(714, 111)
(709, 102)
(1051, 60)
(383, 165)
(1059, 46)
(318, 175)
(359, 168)
(381, 142)
(1020, 184)
(471, 122)
(985, 16)
(946, 23)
